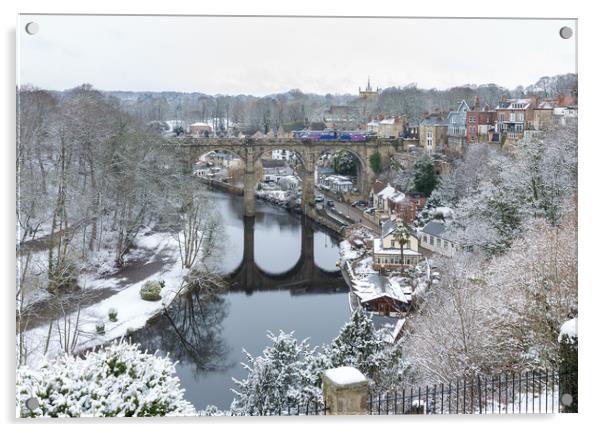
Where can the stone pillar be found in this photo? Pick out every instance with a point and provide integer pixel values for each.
(345, 391)
(308, 198)
(249, 185)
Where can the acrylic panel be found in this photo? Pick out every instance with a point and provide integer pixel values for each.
(295, 216)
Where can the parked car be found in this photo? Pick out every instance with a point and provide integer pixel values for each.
(330, 203)
(319, 198)
(370, 210)
(359, 203)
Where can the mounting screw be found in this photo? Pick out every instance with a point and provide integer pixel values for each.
(32, 28)
(566, 399)
(32, 404)
(566, 32)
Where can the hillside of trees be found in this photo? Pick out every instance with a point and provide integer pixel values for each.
(297, 108)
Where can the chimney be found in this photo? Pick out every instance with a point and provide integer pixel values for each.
(504, 98)
(477, 104)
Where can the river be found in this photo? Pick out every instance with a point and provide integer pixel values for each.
(285, 278)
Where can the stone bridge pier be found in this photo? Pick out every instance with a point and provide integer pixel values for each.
(249, 184)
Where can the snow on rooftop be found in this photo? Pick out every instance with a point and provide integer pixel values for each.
(345, 375)
(374, 286)
(445, 211)
(569, 328)
(387, 192)
(398, 197)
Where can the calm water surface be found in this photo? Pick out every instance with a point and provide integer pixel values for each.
(302, 292)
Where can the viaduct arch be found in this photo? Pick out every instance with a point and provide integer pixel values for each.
(250, 151)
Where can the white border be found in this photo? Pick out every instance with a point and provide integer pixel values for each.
(589, 157)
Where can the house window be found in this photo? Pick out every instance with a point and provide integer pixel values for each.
(438, 242)
(445, 244)
(432, 240)
(501, 116)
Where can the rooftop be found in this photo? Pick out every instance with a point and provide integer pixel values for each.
(434, 120)
(435, 228)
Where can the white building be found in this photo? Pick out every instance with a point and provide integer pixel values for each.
(434, 239)
(387, 198)
(386, 252)
(338, 183)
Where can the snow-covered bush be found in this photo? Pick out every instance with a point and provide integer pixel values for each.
(113, 314)
(151, 290)
(100, 327)
(118, 380)
(213, 411)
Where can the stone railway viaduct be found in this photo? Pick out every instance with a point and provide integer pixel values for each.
(308, 152)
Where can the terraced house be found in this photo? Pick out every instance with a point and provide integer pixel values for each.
(433, 133)
(456, 128)
(479, 122)
(514, 116)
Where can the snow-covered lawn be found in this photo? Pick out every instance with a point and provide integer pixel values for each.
(132, 311)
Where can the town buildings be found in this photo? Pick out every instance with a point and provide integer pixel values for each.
(391, 127)
(433, 133)
(393, 204)
(337, 183)
(274, 169)
(514, 116)
(479, 122)
(456, 128)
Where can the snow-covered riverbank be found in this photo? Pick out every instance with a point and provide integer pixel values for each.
(76, 331)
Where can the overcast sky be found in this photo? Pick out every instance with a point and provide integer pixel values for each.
(261, 56)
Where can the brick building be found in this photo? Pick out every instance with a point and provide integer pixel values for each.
(479, 121)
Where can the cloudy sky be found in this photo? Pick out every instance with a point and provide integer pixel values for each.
(261, 56)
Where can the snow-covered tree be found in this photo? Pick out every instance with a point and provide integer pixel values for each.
(361, 346)
(494, 194)
(538, 278)
(496, 314)
(451, 337)
(118, 380)
(275, 377)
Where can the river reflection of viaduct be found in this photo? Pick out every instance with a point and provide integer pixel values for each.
(304, 276)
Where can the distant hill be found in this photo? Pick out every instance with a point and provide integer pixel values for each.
(297, 107)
